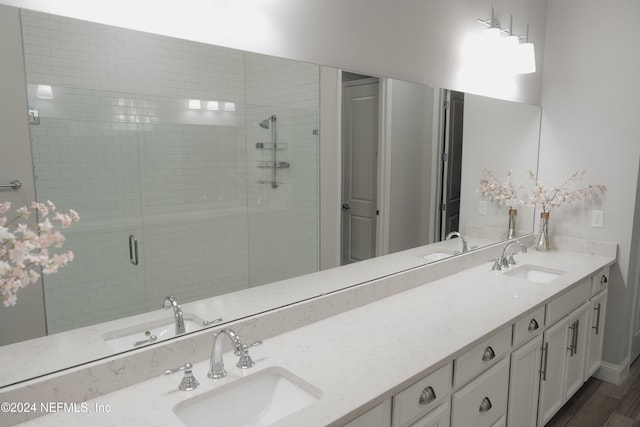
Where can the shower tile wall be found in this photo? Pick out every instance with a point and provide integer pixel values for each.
(118, 144)
(286, 217)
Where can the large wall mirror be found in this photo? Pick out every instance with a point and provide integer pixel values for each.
(196, 173)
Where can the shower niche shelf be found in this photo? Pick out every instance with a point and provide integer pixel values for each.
(266, 164)
(280, 146)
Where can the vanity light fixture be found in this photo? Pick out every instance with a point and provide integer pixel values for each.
(213, 106)
(494, 31)
(509, 42)
(504, 47)
(194, 104)
(44, 92)
(526, 62)
(229, 106)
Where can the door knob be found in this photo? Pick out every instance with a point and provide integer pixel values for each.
(345, 206)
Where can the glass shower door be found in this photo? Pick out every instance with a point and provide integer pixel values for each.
(86, 157)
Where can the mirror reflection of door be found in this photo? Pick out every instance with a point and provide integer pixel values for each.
(452, 162)
(359, 168)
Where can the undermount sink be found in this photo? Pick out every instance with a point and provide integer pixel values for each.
(534, 273)
(260, 399)
(437, 254)
(142, 334)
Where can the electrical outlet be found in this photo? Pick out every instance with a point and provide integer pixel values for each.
(482, 207)
(597, 219)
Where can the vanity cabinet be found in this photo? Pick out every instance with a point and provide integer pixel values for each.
(518, 376)
(572, 351)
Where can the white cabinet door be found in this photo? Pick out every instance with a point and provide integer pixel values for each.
(553, 370)
(524, 384)
(439, 417)
(380, 416)
(563, 361)
(596, 333)
(577, 349)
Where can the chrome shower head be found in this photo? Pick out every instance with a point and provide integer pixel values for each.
(265, 123)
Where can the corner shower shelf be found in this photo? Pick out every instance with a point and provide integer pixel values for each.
(267, 146)
(273, 165)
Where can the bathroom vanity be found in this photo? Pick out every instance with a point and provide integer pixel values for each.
(468, 346)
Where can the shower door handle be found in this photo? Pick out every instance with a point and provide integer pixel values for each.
(133, 249)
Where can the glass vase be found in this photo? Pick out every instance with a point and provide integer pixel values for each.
(511, 231)
(542, 238)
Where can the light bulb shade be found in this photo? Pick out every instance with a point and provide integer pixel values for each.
(194, 104)
(526, 59)
(493, 33)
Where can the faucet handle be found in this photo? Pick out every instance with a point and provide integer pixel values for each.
(188, 382)
(497, 264)
(245, 361)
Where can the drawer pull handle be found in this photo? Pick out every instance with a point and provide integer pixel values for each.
(488, 354)
(603, 279)
(485, 405)
(597, 327)
(544, 361)
(133, 250)
(533, 325)
(572, 328)
(427, 396)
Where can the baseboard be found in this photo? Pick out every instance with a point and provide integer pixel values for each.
(611, 373)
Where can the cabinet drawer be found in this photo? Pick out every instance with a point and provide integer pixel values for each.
(418, 399)
(439, 417)
(482, 402)
(528, 327)
(599, 281)
(479, 358)
(565, 303)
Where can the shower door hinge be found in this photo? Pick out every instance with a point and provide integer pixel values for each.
(445, 157)
(443, 206)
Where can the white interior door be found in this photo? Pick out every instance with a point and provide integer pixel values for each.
(359, 169)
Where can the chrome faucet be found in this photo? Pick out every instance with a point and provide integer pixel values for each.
(503, 261)
(216, 363)
(170, 302)
(465, 248)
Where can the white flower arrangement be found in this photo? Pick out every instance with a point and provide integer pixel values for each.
(506, 194)
(553, 197)
(25, 249)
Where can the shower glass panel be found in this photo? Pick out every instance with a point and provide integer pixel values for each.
(86, 157)
(156, 138)
(186, 183)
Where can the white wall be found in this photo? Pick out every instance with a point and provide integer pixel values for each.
(414, 41)
(590, 120)
(410, 142)
(497, 135)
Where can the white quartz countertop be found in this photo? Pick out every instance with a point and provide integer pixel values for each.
(363, 356)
